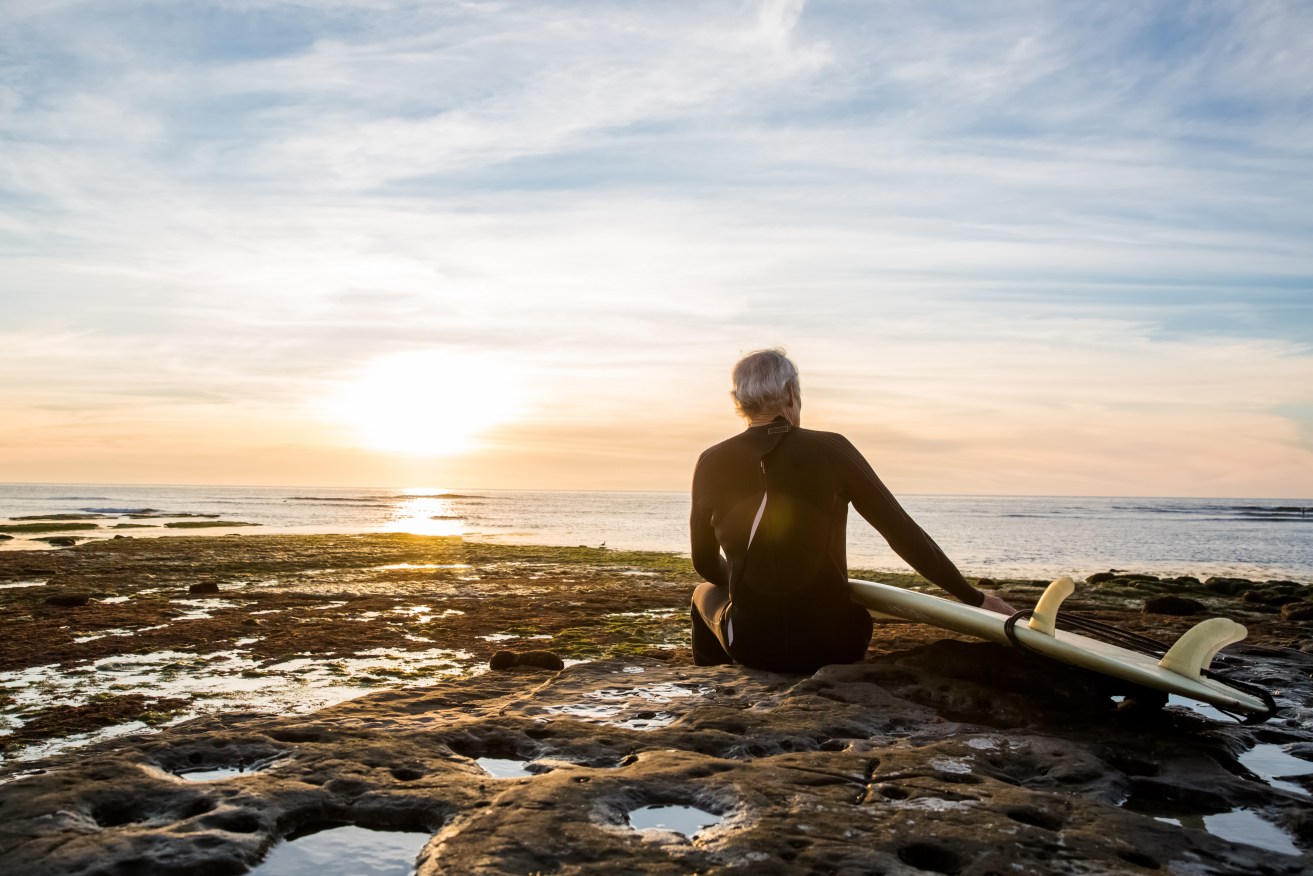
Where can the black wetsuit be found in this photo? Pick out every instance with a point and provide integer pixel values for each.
(789, 608)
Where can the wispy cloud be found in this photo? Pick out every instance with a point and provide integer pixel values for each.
(960, 217)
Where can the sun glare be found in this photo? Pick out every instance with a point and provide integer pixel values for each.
(428, 403)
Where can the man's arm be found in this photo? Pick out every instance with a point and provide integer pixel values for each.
(872, 499)
(705, 549)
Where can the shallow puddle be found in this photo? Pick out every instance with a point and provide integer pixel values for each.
(1238, 826)
(200, 609)
(370, 853)
(375, 666)
(503, 768)
(686, 820)
(216, 774)
(1204, 710)
(211, 681)
(103, 634)
(211, 775)
(1270, 762)
(16, 584)
(614, 714)
(627, 707)
(657, 693)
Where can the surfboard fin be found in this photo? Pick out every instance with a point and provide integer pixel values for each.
(1195, 650)
(1045, 615)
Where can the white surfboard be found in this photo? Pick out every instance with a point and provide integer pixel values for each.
(1178, 672)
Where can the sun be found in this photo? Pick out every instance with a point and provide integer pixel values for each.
(428, 403)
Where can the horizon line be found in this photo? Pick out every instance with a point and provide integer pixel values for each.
(399, 489)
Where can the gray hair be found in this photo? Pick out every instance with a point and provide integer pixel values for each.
(762, 380)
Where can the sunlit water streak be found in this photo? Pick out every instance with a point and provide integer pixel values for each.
(1003, 536)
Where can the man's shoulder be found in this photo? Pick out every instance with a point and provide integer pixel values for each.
(816, 438)
(826, 448)
(809, 440)
(720, 447)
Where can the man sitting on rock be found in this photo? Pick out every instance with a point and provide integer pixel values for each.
(768, 529)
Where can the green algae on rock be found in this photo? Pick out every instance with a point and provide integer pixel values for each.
(46, 527)
(205, 524)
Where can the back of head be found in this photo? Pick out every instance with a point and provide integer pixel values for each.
(762, 380)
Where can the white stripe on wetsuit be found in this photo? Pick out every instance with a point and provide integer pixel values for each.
(756, 521)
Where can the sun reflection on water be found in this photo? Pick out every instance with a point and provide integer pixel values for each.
(428, 513)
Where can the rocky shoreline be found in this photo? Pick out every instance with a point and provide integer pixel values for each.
(936, 754)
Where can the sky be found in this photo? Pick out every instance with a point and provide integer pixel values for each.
(1040, 248)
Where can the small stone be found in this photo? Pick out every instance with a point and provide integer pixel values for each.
(541, 660)
(987, 583)
(251, 622)
(204, 587)
(535, 659)
(502, 660)
(1275, 600)
(1178, 606)
(68, 600)
(1227, 586)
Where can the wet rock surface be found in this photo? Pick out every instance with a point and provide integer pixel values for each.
(916, 761)
(937, 754)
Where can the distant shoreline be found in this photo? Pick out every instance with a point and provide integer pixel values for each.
(996, 537)
(255, 532)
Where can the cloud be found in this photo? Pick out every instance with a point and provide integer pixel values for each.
(1002, 214)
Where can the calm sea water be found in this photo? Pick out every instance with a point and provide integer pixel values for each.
(1035, 537)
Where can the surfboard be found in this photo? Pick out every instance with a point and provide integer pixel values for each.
(1179, 671)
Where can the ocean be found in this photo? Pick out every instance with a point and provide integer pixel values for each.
(1036, 537)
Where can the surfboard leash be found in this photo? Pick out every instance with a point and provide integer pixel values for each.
(1145, 645)
(1263, 694)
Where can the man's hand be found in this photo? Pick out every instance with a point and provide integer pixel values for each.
(993, 603)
